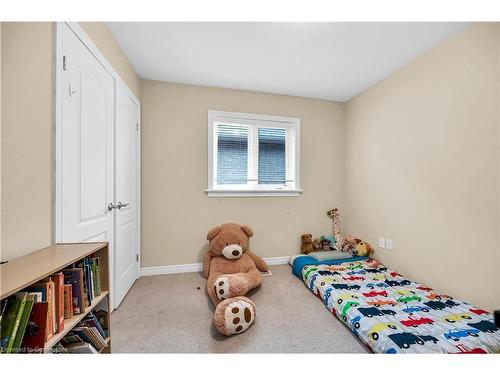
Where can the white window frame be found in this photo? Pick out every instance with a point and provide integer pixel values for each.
(254, 120)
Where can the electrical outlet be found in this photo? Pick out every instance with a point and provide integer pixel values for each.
(388, 244)
(381, 242)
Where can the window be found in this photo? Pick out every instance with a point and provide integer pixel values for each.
(252, 155)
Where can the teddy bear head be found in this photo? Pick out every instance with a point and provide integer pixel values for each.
(229, 240)
(306, 238)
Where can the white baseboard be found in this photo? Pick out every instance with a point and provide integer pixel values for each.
(276, 260)
(196, 267)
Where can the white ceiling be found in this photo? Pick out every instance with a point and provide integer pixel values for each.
(334, 61)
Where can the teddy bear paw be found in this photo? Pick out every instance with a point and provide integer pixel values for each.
(234, 316)
(221, 288)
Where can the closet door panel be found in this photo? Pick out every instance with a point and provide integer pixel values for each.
(126, 259)
(85, 165)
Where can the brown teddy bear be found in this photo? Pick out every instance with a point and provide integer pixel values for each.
(307, 244)
(232, 270)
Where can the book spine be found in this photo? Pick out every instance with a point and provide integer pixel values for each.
(68, 301)
(58, 280)
(98, 267)
(12, 338)
(49, 331)
(88, 280)
(22, 325)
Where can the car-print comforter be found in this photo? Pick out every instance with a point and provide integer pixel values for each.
(392, 314)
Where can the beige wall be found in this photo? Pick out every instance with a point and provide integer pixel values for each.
(27, 129)
(422, 167)
(102, 37)
(176, 212)
(0, 138)
(26, 137)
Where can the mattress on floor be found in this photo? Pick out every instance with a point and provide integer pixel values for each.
(392, 314)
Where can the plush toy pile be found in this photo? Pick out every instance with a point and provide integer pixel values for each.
(348, 243)
(232, 270)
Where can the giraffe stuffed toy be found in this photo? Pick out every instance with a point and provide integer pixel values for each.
(339, 238)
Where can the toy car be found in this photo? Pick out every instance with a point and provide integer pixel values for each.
(424, 288)
(435, 305)
(325, 273)
(412, 322)
(340, 286)
(465, 350)
(370, 312)
(478, 311)
(434, 296)
(360, 272)
(380, 302)
(457, 334)
(312, 281)
(428, 338)
(453, 318)
(450, 303)
(412, 309)
(374, 293)
(388, 312)
(346, 307)
(335, 268)
(405, 340)
(405, 292)
(372, 270)
(327, 295)
(377, 328)
(328, 280)
(397, 283)
(484, 326)
(373, 285)
(354, 278)
(355, 267)
(308, 271)
(408, 299)
(342, 297)
(355, 324)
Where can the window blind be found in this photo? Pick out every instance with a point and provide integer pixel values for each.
(272, 156)
(232, 154)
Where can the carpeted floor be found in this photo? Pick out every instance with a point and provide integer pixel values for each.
(173, 314)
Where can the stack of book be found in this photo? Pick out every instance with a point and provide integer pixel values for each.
(88, 336)
(30, 318)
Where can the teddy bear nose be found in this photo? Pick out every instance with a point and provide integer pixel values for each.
(236, 253)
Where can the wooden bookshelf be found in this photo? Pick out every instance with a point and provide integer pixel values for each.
(20, 273)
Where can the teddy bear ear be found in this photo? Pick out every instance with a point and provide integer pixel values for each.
(213, 232)
(248, 231)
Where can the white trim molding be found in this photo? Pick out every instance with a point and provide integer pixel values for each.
(197, 267)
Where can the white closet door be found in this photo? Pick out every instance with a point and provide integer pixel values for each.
(85, 183)
(126, 254)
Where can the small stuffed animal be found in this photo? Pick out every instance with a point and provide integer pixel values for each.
(327, 243)
(307, 243)
(363, 249)
(316, 244)
(350, 243)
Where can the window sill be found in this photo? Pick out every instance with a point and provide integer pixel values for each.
(253, 193)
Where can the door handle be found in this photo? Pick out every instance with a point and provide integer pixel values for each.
(111, 206)
(120, 205)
